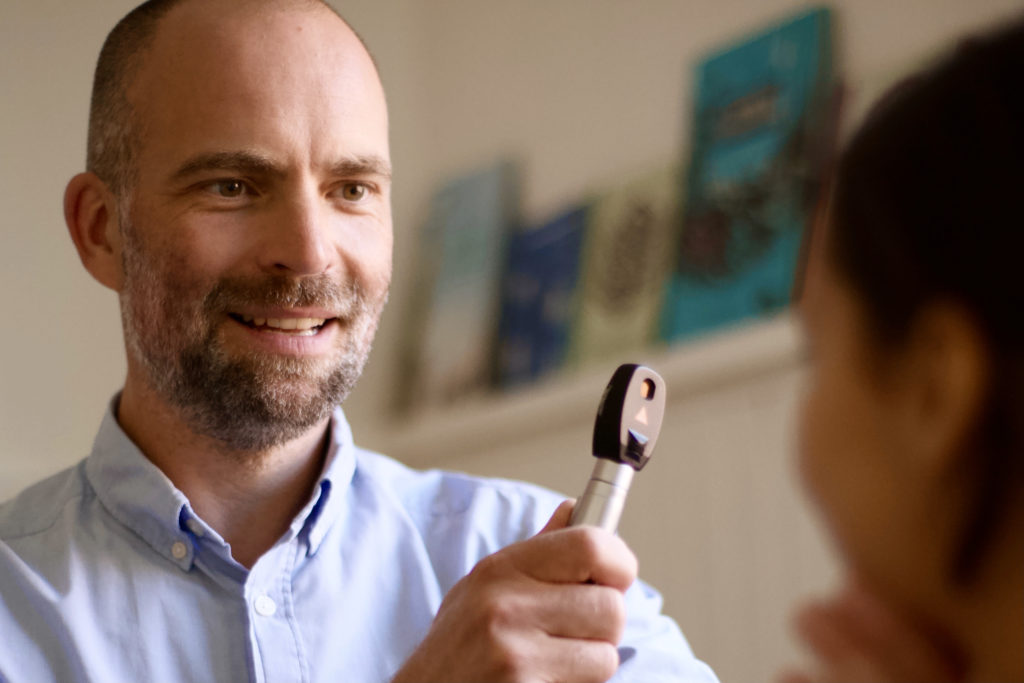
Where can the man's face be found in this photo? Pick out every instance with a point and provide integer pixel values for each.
(257, 238)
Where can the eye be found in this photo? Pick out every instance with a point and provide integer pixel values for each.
(354, 192)
(229, 189)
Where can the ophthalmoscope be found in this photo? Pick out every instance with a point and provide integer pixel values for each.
(625, 431)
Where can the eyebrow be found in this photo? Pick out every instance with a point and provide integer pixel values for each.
(248, 162)
(259, 164)
(362, 166)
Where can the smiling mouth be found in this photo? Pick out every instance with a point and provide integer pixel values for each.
(301, 327)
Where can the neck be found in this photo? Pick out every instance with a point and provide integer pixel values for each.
(989, 617)
(984, 618)
(250, 498)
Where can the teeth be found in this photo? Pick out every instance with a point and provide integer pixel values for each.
(300, 325)
(294, 323)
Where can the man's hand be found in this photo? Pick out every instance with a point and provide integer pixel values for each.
(550, 608)
(856, 638)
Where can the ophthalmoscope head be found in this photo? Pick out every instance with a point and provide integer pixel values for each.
(625, 432)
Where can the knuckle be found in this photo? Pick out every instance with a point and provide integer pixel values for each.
(590, 546)
(616, 611)
(625, 556)
(610, 613)
(488, 566)
(633, 565)
(596, 550)
(596, 661)
(607, 661)
(507, 663)
(613, 604)
(498, 611)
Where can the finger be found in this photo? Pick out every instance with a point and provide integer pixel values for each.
(838, 659)
(793, 676)
(826, 639)
(847, 649)
(584, 611)
(579, 661)
(560, 517)
(907, 648)
(576, 555)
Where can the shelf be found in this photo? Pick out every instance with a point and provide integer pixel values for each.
(471, 426)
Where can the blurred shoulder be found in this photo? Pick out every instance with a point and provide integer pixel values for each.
(39, 507)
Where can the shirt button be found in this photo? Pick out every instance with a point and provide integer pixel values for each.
(195, 527)
(265, 606)
(178, 550)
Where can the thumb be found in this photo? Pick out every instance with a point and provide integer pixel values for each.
(560, 518)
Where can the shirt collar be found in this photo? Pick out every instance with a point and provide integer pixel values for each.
(327, 502)
(139, 496)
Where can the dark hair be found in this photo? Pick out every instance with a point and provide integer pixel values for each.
(113, 136)
(926, 207)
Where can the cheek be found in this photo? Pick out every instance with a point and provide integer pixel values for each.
(814, 436)
(846, 466)
(834, 442)
(370, 259)
(181, 288)
(381, 275)
(165, 285)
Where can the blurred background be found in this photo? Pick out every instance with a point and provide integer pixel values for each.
(578, 102)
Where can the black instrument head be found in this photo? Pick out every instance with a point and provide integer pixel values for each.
(629, 417)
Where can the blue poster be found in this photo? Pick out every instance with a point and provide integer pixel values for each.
(762, 112)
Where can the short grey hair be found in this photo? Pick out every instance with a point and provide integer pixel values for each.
(113, 139)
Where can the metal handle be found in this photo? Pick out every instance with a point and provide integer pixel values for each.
(604, 497)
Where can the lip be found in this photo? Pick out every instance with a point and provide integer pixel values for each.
(274, 312)
(285, 343)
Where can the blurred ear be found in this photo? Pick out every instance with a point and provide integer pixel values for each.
(90, 212)
(948, 377)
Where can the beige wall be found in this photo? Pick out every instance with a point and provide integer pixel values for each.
(584, 93)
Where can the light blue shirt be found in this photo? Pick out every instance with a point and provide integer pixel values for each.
(107, 574)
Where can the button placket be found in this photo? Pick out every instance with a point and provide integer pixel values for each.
(275, 645)
(264, 605)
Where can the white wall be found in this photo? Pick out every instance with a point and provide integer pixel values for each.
(585, 93)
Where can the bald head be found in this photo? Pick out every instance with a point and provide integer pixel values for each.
(114, 128)
(246, 145)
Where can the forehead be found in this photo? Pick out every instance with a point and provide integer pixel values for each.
(228, 73)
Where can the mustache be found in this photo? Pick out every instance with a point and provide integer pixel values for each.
(319, 291)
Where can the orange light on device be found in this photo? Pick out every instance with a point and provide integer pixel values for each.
(647, 389)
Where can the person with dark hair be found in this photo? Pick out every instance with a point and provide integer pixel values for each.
(913, 421)
(225, 527)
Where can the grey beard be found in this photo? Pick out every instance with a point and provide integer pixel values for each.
(244, 402)
(241, 402)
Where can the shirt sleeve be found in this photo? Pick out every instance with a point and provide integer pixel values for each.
(653, 649)
(500, 512)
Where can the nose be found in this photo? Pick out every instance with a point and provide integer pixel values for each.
(297, 238)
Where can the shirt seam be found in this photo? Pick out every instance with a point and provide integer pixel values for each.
(52, 522)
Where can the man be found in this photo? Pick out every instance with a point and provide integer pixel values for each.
(225, 527)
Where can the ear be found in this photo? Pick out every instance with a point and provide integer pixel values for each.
(90, 211)
(949, 374)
